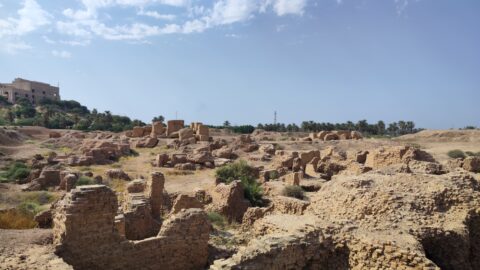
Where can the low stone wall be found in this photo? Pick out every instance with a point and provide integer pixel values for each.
(86, 237)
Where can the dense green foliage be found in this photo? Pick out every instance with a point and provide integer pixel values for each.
(294, 192)
(16, 171)
(240, 170)
(456, 154)
(61, 115)
(242, 129)
(380, 128)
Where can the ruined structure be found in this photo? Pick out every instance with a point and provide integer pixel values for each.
(30, 90)
(86, 237)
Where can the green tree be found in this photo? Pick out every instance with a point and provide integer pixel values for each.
(159, 118)
(226, 124)
(381, 128)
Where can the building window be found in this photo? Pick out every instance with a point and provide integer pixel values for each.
(44, 92)
(33, 90)
(26, 95)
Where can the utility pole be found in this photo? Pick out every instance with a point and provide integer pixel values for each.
(275, 117)
(176, 115)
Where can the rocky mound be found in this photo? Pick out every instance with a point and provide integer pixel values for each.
(10, 137)
(443, 136)
(404, 221)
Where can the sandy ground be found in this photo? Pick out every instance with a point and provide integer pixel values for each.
(28, 250)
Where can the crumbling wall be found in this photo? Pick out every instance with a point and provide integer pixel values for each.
(86, 237)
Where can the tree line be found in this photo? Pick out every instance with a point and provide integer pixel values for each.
(62, 114)
(380, 128)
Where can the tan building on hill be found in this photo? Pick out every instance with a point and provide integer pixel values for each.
(31, 90)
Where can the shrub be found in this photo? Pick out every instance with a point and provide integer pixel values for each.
(16, 171)
(217, 219)
(15, 219)
(84, 181)
(472, 154)
(242, 171)
(253, 192)
(235, 171)
(456, 154)
(294, 192)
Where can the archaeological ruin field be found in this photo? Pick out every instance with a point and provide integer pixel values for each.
(185, 196)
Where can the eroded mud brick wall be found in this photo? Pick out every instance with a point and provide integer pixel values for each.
(85, 235)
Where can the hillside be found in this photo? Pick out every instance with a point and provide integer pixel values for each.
(64, 114)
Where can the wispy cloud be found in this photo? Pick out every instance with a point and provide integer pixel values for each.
(61, 54)
(14, 47)
(156, 15)
(29, 18)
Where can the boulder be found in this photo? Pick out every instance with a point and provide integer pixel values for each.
(200, 158)
(331, 137)
(268, 149)
(229, 201)
(321, 135)
(355, 135)
(223, 152)
(136, 186)
(185, 134)
(184, 201)
(117, 174)
(472, 164)
(147, 142)
(157, 129)
(161, 160)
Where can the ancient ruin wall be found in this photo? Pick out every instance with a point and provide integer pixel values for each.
(85, 235)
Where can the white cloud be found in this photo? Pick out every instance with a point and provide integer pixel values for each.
(156, 15)
(30, 17)
(231, 11)
(13, 47)
(61, 54)
(284, 7)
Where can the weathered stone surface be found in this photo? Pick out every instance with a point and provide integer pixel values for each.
(147, 142)
(185, 201)
(294, 178)
(136, 186)
(86, 237)
(287, 205)
(472, 164)
(185, 134)
(117, 174)
(229, 201)
(174, 126)
(161, 160)
(44, 219)
(384, 157)
(157, 129)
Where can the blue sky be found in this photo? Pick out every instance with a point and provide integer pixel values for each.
(240, 60)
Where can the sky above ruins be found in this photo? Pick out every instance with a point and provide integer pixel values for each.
(241, 60)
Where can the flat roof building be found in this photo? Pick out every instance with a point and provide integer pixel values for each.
(31, 90)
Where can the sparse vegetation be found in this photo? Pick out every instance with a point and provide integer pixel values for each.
(84, 181)
(456, 154)
(472, 154)
(294, 192)
(240, 170)
(16, 171)
(217, 219)
(29, 204)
